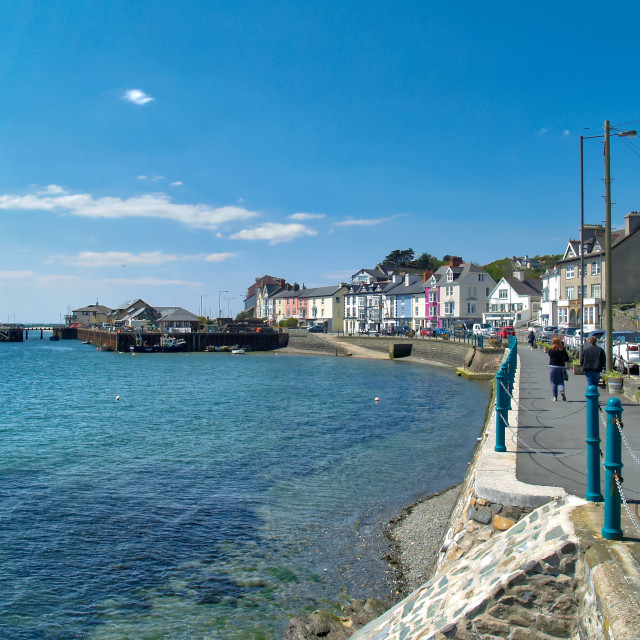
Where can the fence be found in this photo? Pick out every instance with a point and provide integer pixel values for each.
(612, 460)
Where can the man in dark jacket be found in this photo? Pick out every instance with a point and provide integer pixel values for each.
(593, 361)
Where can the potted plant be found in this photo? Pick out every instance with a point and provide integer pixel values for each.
(577, 367)
(613, 380)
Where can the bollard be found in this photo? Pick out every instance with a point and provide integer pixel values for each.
(613, 465)
(500, 410)
(593, 493)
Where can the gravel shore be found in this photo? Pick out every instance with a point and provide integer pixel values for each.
(416, 537)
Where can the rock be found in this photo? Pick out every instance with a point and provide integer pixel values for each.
(327, 625)
(483, 515)
(501, 523)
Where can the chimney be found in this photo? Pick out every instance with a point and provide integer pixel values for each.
(426, 275)
(395, 278)
(455, 261)
(519, 274)
(282, 282)
(631, 222)
(296, 286)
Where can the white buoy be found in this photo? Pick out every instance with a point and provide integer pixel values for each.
(117, 397)
(377, 399)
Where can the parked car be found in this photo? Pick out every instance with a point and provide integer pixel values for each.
(493, 332)
(548, 333)
(504, 332)
(626, 351)
(569, 336)
(425, 331)
(316, 328)
(481, 328)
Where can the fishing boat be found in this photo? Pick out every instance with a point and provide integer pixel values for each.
(167, 344)
(238, 350)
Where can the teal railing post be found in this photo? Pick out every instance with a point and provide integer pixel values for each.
(613, 465)
(501, 410)
(593, 493)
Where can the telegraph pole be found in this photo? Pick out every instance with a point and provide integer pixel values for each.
(607, 249)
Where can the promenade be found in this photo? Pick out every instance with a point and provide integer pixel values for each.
(523, 582)
(551, 448)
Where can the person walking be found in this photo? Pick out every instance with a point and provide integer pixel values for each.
(558, 358)
(531, 338)
(593, 361)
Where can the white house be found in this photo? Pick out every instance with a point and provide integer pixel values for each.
(550, 297)
(514, 301)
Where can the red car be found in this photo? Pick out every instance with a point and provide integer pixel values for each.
(506, 331)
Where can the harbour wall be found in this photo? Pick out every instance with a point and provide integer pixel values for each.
(121, 341)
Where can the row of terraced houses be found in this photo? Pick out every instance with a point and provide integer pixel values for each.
(388, 297)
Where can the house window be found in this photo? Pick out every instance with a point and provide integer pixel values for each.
(503, 294)
(433, 296)
(481, 277)
(563, 316)
(596, 290)
(570, 293)
(595, 269)
(486, 292)
(590, 315)
(432, 312)
(570, 272)
(449, 276)
(448, 291)
(472, 308)
(448, 308)
(337, 299)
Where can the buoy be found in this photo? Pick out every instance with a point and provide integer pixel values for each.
(117, 397)
(377, 399)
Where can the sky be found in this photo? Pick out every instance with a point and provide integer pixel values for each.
(177, 151)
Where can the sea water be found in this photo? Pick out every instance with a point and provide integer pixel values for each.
(209, 495)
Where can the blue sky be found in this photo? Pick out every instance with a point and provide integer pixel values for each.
(174, 150)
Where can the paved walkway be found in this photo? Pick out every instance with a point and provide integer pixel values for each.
(556, 432)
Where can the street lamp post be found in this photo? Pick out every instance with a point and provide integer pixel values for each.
(219, 302)
(201, 307)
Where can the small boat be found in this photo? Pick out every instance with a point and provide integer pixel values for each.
(238, 350)
(167, 344)
(54, 338)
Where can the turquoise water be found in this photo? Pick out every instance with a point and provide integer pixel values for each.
(220, 495)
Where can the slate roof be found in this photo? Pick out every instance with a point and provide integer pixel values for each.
(528, 287)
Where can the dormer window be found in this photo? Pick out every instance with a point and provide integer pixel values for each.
(449, 276)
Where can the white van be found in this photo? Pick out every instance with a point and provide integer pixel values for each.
(481, 329)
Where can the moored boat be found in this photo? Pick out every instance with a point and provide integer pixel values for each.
(167, 344)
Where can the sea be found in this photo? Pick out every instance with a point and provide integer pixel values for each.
(210, 495)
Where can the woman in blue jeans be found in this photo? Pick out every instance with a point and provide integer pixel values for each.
(558, 358)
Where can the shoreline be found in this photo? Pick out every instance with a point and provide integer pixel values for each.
(416, 537)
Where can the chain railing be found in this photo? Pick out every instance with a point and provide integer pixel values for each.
(614, 496)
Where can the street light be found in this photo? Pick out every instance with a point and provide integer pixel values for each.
(229, 306)
(201, 308)
(607, 238)
(219, 303)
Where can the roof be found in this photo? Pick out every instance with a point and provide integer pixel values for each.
(320, 292)
(175, 314)
(99, 308)
(528, 287)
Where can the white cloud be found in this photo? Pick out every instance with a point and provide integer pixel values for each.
(361, 222)
(307, 216)
(137, 97)
(542, 132)
(142, 177)
(157, 178)
(177, 183)
(153, 205)
(118, 258)
(154, 282)
(275, 232)
(16, 275)
(220, 257)
(52, 189)
(566, 132)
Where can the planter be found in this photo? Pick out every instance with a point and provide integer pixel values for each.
(614, 385)
(578, 370)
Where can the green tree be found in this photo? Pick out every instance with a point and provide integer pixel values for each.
(400, 257)
(427, 262)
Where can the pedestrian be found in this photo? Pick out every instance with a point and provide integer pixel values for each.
(593, 361)
(531, 338)
(558, 358)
